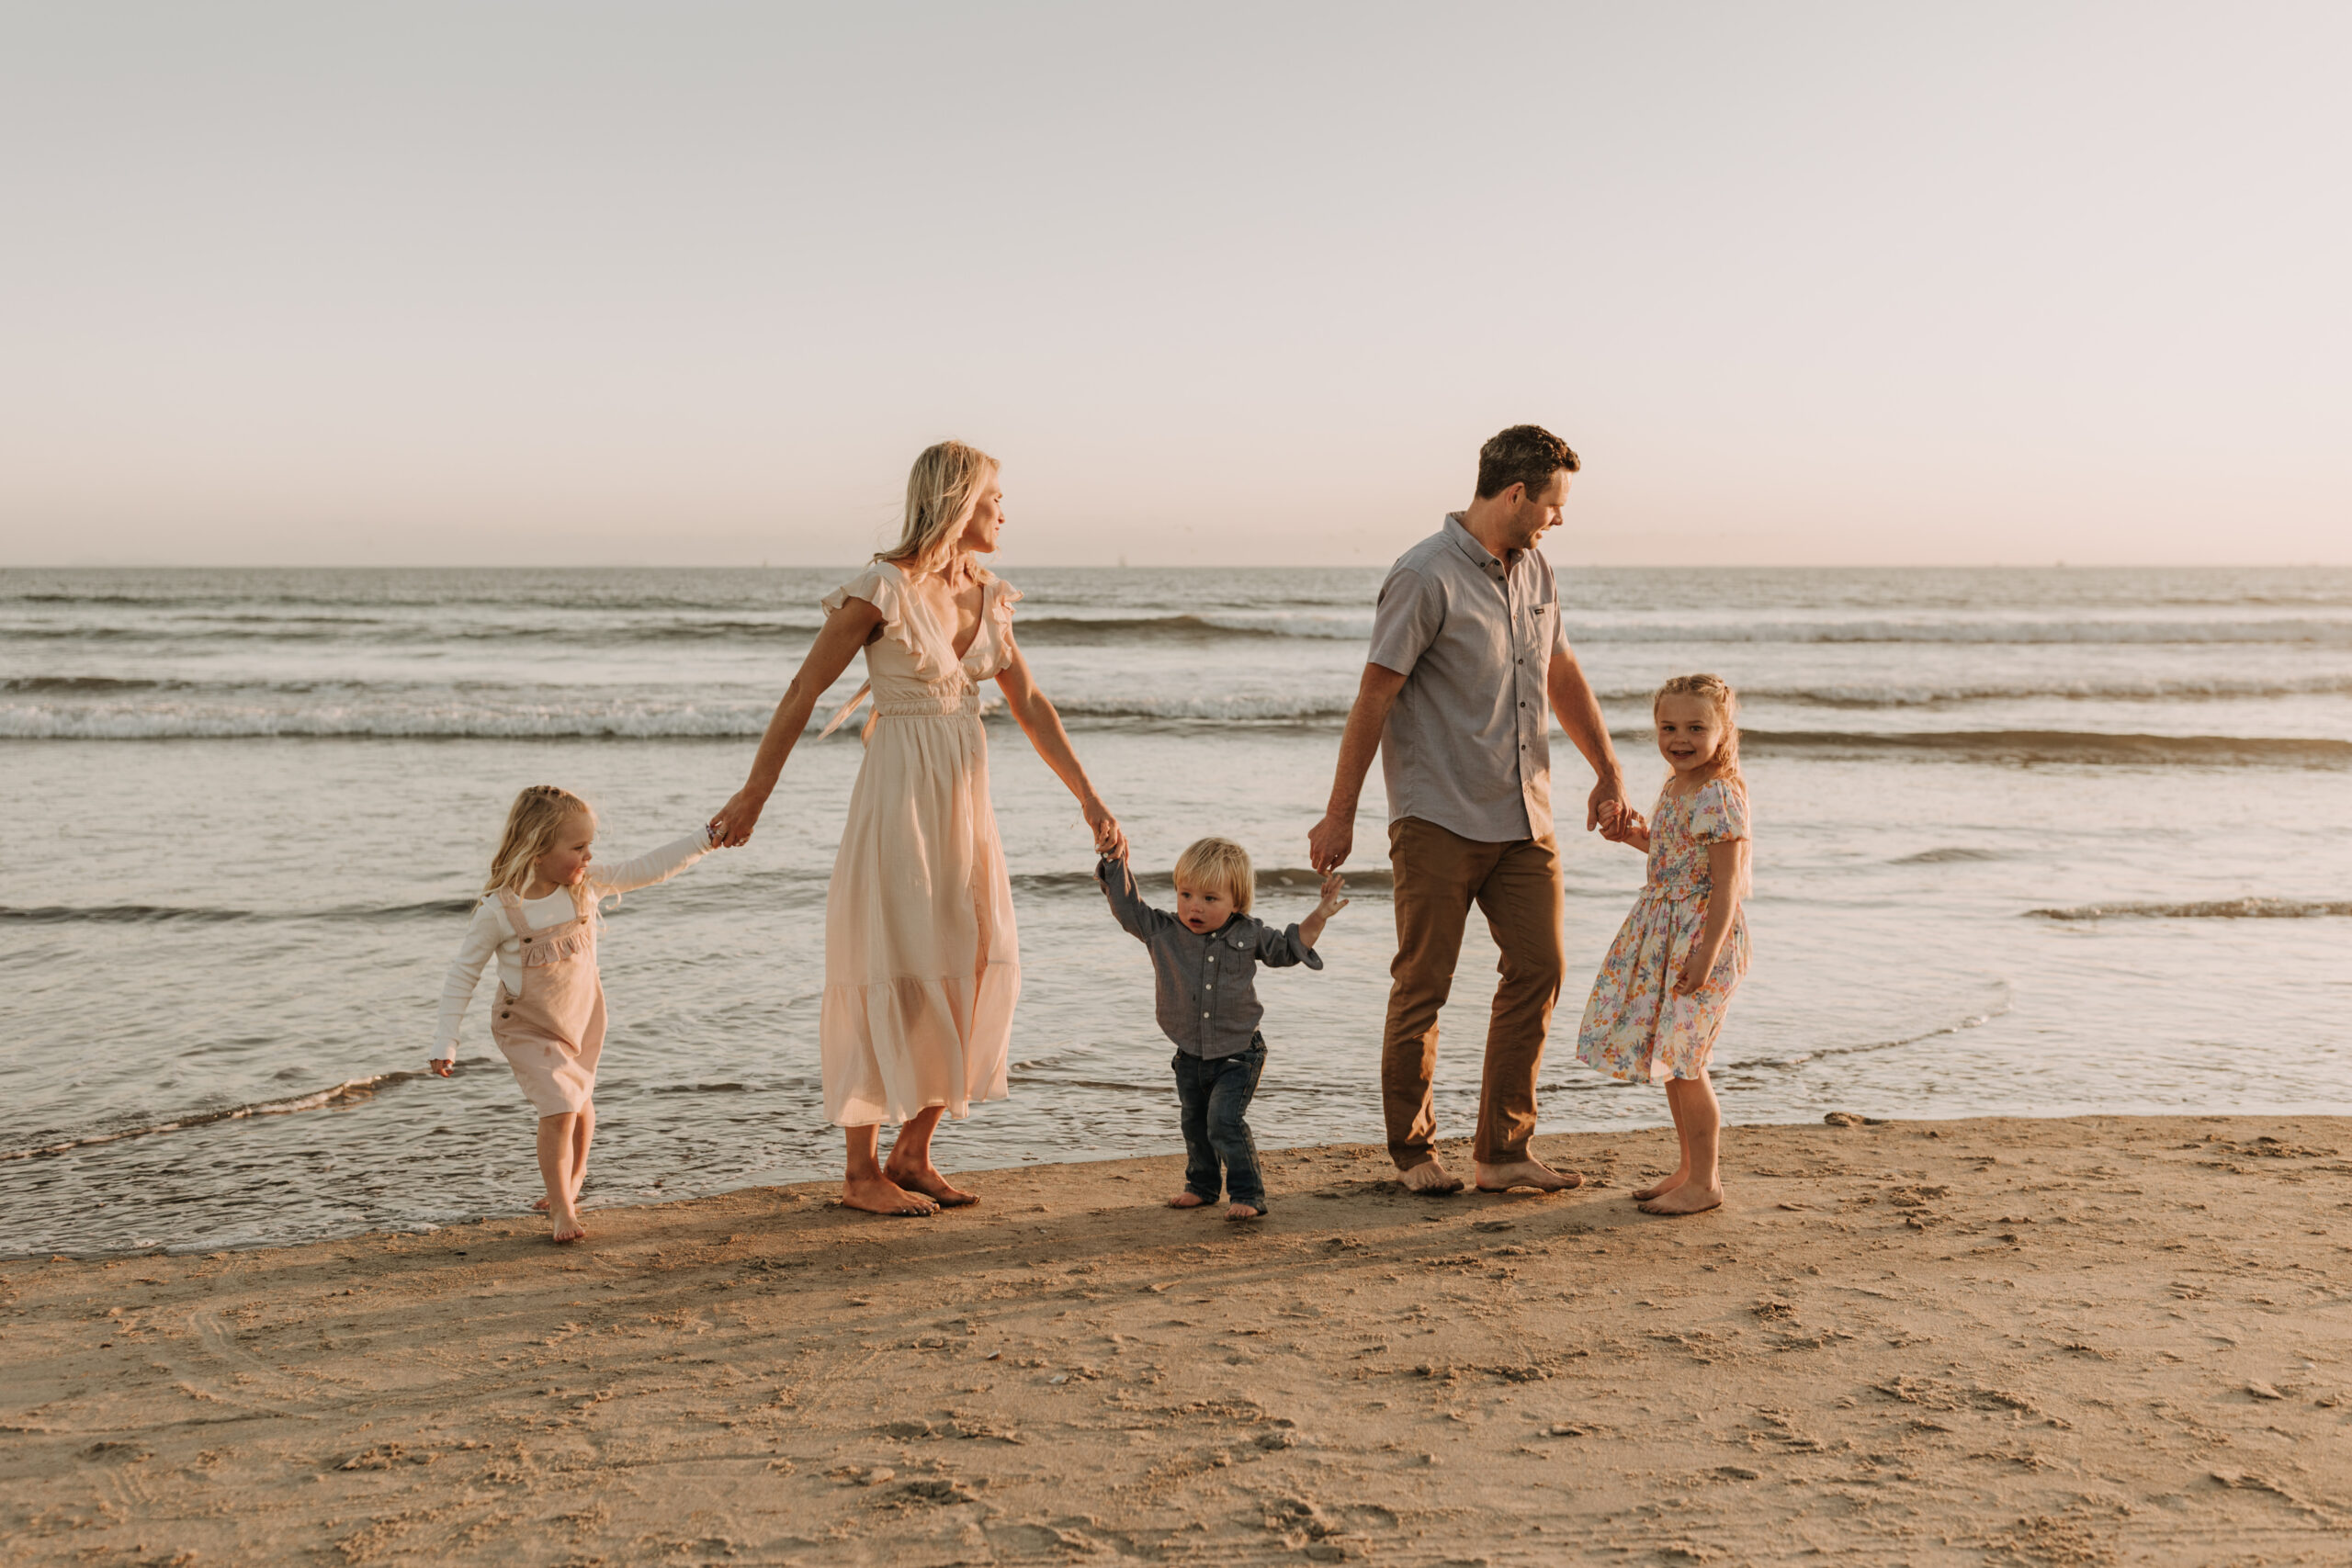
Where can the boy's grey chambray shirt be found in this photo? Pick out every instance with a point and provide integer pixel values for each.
(1205, 983)
(1468, 745)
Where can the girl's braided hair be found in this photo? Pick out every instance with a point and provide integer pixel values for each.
(538, 815)
(1717, 692)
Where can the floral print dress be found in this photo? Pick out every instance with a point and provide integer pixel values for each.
(1635, 1026)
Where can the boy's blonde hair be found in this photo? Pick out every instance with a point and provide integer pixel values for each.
(1218, 866)
(1716, 691)
(538, 815)
(941, 487)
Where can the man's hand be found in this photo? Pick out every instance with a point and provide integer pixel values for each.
(1603, 805)
(1328, 841)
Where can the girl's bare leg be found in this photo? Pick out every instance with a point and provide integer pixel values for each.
(557, 1134)
(581, 1137)
(909, 1164)
(1702, 1122)
(1682, 1151)
(865, 1187)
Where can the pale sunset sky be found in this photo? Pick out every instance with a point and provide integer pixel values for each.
(526, 283)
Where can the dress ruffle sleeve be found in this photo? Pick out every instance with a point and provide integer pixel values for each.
(883, 586)
(1720, 813)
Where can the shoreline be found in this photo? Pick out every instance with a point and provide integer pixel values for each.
(2076, 1340)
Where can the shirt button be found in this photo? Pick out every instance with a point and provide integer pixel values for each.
(1204, 1015)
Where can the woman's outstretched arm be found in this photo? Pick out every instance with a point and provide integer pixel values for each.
(1035, 713)
(845, 632)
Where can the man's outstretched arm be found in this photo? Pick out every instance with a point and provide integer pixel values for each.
(1329, 844)
(1580, 714)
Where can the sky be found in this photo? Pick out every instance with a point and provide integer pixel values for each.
(577, 282)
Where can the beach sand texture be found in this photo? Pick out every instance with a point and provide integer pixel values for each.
(2086, 1341)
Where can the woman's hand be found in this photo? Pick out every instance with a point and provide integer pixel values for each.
(1110, 840)
(441, 1065)
(736, 820)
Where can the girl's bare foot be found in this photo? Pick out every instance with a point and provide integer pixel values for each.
(1688, 1198)
(880, 1195)
(1660, 1189)
(926, 1179)
(1187, 1199)
(565, 1226)
(538, 1206)
(1244, 1212)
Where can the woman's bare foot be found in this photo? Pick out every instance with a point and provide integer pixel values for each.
(565, 1225)
(1431, 1178)
(880, 1195)
(1660, 1189)
(926, 1179)
(1187, 1199)
(1688, 1198)
(1528, 1172)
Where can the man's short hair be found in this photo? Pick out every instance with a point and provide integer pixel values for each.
(1524, 455)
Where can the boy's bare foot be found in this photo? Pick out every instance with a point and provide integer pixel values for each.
(927, 1180)
(1658, 1188)
(1688, 1198)
(880, 1195)
(565, 1226)
(1187, 1199)
(1244, 1212)
(1430, 1179)
(1528, 1172)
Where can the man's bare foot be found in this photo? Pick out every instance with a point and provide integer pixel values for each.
(565, 1225)
(1431, 1178)
(1528, 1172)
(1187, 1199)
(880, 1195)
(1688, 1198)
(1244, 1212)
(1658, 1188)
(926, 1179)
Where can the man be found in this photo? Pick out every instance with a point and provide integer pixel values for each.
(1467, 650)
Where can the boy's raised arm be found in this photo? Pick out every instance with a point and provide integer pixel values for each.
(1137, 918)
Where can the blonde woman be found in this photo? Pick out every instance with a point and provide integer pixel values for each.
(922, 965)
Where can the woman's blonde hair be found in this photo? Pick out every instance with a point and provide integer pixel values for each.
(538, 815)
(941, 490)
(1218, 866)
(1717, 692)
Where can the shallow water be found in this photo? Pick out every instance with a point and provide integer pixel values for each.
(2029, 843)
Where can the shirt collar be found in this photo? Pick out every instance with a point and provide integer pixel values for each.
(1462, 539)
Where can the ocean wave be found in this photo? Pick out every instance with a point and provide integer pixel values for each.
(349, 1092)
(169, 914)
(1861, 696)
(1948, 855)
(2206, 909)
(1270, 879)
(2054, 746)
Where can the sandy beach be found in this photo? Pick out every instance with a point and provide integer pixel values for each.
(2083, 1341)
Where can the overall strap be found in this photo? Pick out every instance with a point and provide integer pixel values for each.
(514, 916)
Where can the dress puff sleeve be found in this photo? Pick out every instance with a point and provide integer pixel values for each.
(1720, 812)
(884, 586)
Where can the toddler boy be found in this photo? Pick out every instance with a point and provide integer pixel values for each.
(1205, 960)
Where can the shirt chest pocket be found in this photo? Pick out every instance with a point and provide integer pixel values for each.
(1543, 624)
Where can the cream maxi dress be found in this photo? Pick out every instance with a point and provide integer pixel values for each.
(921, 961)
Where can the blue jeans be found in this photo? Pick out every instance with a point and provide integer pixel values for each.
(1216, 1095)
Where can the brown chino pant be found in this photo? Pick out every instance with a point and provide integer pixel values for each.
(1438, 874)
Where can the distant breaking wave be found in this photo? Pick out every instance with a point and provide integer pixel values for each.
(2206, 909)
(168, 914)
(345, 1093)
(2058, 746)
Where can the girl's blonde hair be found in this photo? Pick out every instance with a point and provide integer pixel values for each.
(1218, 866)
(538, 815)
(941, 490)
(1717, 692)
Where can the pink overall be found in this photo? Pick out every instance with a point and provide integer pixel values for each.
(554, 1032)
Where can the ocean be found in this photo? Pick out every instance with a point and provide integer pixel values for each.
(2029, 843)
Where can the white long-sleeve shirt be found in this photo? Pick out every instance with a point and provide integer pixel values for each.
(491, 932)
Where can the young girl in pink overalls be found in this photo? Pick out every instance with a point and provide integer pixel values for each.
(538, 917)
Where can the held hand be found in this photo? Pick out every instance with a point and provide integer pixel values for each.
(1333, 903)
(1328, 841)
(735, 820)
(1629, 822)
(441, 1065)
(1110, 840)
(1607, 800)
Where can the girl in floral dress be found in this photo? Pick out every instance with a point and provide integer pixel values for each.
(1662, 992)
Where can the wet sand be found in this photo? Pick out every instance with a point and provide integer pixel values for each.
(2068, 1342)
